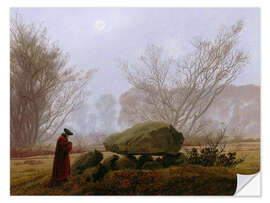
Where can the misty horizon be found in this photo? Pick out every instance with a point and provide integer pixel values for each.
(99, 37)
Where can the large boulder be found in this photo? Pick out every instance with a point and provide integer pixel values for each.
(149, 138)
(86, 160)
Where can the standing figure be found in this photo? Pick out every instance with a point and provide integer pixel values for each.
(61, 165)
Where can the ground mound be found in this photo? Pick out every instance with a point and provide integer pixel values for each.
(190, 180)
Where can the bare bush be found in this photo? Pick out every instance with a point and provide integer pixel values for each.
(212, 152)
(216, 142)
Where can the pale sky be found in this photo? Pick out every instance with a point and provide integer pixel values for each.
(97, 37)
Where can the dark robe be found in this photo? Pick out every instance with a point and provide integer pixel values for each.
(61, 165)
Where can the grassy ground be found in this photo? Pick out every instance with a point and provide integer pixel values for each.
(251, 153)
(30, 176)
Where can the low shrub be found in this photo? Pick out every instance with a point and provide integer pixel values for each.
(228, 160)
(205, 157)
(209, 157)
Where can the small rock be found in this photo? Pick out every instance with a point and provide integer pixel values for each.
(125, 163)
(87, 160)
(100, 173)
(143, 159)
(109, 162)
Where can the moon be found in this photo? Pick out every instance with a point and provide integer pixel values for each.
(100, 25)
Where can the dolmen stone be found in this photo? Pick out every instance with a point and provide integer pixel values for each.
(148, 138)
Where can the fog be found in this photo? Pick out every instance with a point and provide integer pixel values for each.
(99, 37)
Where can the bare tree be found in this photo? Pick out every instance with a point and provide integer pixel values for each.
(216, 142)
(43, 91)
(180, 91)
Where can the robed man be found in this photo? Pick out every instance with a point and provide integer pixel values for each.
(61, 165)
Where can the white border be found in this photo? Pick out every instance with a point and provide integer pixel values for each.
(4, 19)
